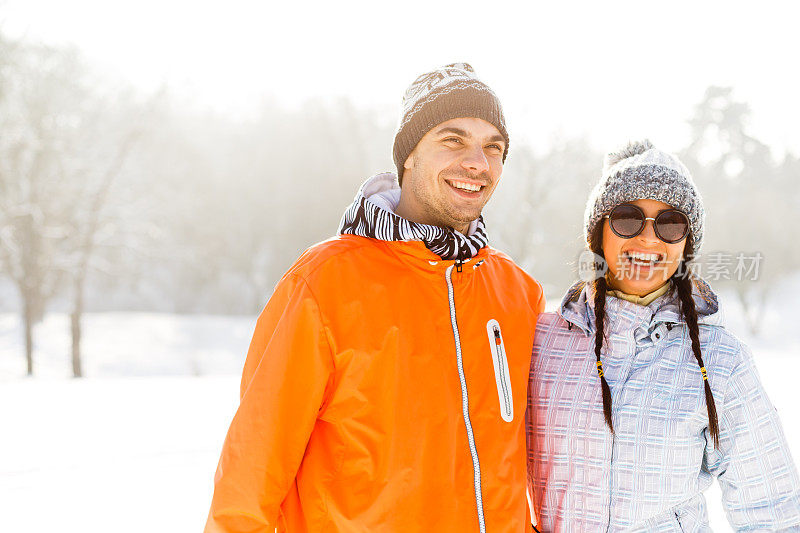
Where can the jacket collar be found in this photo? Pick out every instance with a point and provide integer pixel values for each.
(577, 308)
(372, 215)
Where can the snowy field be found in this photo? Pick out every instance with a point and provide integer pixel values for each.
(133, 447)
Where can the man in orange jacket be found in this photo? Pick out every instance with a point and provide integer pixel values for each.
(385, 385)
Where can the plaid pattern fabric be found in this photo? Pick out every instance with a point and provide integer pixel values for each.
(651, 474)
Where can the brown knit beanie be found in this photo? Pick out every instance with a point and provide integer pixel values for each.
(449, 92)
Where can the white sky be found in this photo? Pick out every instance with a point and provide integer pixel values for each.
(608, 70)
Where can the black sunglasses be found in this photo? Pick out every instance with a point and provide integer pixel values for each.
(628, 220)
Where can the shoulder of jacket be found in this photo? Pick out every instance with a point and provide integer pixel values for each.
(723, 353)
(729, 349)
(553, 335)
(730, 359)
(552, 321)
(500, 255)
(505, 260)
(719, 340)
(327, 253)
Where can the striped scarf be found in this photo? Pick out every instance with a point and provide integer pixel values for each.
(371, 215)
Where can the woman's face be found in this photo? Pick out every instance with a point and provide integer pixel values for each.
(643, 263)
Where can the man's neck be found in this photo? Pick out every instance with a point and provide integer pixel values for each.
(464, 230)
(408, 212)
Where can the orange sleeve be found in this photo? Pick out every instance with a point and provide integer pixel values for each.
(530, 430)
(287, 373)
(541, 303)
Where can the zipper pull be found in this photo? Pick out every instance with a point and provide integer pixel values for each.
(459, 263)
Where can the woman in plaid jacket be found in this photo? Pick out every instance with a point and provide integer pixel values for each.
(639, 396)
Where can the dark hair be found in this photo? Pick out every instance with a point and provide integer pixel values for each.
(682, 282)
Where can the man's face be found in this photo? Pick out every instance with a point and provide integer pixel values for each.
(452, 173)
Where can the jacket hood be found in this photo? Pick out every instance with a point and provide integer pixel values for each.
(372, 215)
(577, 307)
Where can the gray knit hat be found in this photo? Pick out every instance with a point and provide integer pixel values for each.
(449, 92)
(641, 171)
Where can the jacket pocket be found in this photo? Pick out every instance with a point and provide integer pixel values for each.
(501, 375)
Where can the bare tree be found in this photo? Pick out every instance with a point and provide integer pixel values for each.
(40, 114)
(92, 219)
(740, 180)
(66, 137)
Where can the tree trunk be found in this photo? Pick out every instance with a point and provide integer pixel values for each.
(27, 320)
(758, 319)
(77, 313)
(753, 308)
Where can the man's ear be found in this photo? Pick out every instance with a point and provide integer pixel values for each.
(409, 162)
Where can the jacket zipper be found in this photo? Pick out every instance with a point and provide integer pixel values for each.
(501, 360)
(476, 467)
(501, 373)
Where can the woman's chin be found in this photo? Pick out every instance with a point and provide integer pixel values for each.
(641, 287)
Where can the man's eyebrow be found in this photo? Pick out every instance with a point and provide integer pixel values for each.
(457, 131)
(466, 135)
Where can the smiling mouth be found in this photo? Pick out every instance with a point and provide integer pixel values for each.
(642, 259)
(465, 186)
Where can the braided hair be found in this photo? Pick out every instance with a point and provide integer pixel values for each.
(683, 284)
(682, 281)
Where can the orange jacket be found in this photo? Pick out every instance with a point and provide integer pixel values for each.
(352, 414)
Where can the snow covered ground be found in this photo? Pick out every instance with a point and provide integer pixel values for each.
(111, 454)
(133, 447)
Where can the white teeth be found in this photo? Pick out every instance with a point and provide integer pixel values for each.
(643, 257)
(465, 186)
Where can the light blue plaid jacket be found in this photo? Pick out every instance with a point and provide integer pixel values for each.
(650, 476)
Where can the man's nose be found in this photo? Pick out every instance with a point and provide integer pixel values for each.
(475, 160)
